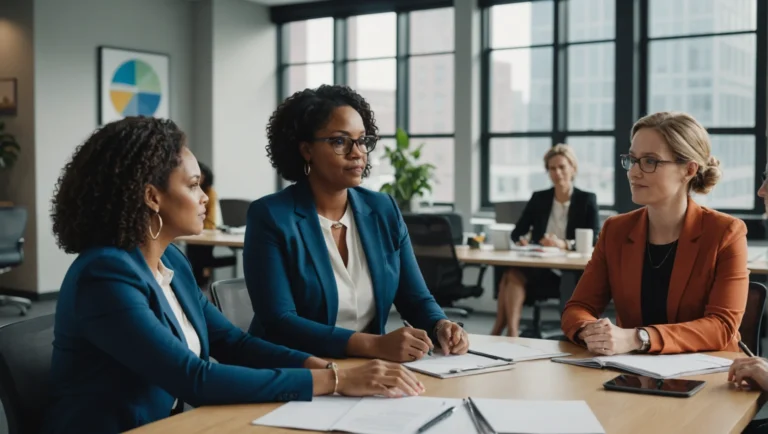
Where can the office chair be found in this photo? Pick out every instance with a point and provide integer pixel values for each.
(25, 362)
(234, 212)
(13, 222)
(753, 317)
(432, 242)
(232, 299)
(457, 226)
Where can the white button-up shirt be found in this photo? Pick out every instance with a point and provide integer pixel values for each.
(355, 289)
(164, 276)
(558, 218)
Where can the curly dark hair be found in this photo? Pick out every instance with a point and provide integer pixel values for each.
(299, 117)
(207, 176)
(99, 197)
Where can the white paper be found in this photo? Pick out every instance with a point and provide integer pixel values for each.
(539, 417)
(441, 365)
(669, 365)
(394, 416)
(515, 352)
(320, 414)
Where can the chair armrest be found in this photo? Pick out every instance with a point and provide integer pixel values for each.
(481, 271)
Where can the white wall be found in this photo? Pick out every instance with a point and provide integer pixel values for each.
(67, 34)
(244, 96)
(18, 184)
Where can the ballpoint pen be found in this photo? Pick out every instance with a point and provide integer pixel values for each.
(746, 350)
(407, 324)
(473, 416)
(483, 420)
(437, 419)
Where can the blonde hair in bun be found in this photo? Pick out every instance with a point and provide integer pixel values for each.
(689, 141)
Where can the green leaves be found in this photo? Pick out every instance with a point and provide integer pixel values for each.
(411, 179)
(9, 148)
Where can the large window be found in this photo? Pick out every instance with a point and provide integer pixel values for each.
(527, 113)
(402, 64)
(307, 55)
(702, 60)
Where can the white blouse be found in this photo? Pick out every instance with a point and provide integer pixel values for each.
(558, 218)
(357, 307)
(164, 276)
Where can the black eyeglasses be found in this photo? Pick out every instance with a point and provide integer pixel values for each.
(342, 145)
(647, 164)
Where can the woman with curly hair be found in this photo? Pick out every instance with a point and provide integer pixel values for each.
(134, 334)
(325, 259)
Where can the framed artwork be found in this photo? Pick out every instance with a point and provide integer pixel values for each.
(132, 83)
(8, 97)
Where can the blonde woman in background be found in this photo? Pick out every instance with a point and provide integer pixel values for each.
(551, 217)
(676, 271)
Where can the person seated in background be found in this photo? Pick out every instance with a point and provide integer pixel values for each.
(325, 259)
(676, 271)
(201, 257)
(551, 217)
(133, 334)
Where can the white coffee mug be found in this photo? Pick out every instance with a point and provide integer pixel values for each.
(584, 241)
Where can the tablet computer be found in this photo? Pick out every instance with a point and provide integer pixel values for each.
(654, 386)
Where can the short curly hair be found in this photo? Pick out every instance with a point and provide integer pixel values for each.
(99, 197)
(299, 117)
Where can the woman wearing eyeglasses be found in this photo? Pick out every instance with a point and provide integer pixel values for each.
(676, 271)
(325, 259)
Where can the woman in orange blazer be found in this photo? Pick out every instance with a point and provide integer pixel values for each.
(677, 272)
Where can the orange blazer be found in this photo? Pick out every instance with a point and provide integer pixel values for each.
(707, 290)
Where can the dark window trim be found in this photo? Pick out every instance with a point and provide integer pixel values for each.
(347, 8)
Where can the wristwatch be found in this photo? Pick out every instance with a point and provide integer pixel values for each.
(645, 338)
(335, 368)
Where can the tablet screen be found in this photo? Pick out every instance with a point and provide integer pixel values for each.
(648, 383)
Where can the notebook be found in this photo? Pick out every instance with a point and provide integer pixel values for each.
(406, 415)
(451, 366)
(657, 366)
(369, 415)
(512, 352)
(509, 416)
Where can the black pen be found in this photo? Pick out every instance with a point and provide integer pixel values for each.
(444, 415)
(482, 418)
(472, 416)
(407, 324)
(745, 348)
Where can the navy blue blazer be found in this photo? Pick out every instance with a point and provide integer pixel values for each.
(120, 359)
(583, 213)
(291, 283)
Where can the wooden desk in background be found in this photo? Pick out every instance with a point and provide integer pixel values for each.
(463, 253)
(718, 408)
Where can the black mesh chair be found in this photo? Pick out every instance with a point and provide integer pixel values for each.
(753, 317)
(435, 252)
(232, 299)
(25, 362)
(13, 223)
(457, 226)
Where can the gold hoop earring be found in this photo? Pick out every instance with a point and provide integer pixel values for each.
(160, 228)
(307, 169)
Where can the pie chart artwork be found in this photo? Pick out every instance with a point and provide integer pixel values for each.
(132, 83)
(135, 89)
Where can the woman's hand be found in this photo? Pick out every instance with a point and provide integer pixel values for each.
(749, 372)
(379, 378)
(452, 338)
(405, 344)
(602, 337)
(551, 240)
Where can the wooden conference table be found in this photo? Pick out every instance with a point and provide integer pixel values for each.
(718, 408)
(464, 254)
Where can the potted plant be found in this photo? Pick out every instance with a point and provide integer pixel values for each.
(9, 148)
(412, 180)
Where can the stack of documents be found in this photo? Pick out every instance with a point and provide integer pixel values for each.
(512, 352)
(661, 366)
(451, 366)
(407, 415)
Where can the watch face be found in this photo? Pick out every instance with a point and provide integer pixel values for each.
(644, 336)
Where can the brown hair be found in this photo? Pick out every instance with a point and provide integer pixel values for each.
(689, 141)
(561, 149)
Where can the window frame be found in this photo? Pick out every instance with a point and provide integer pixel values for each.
(341, 62)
